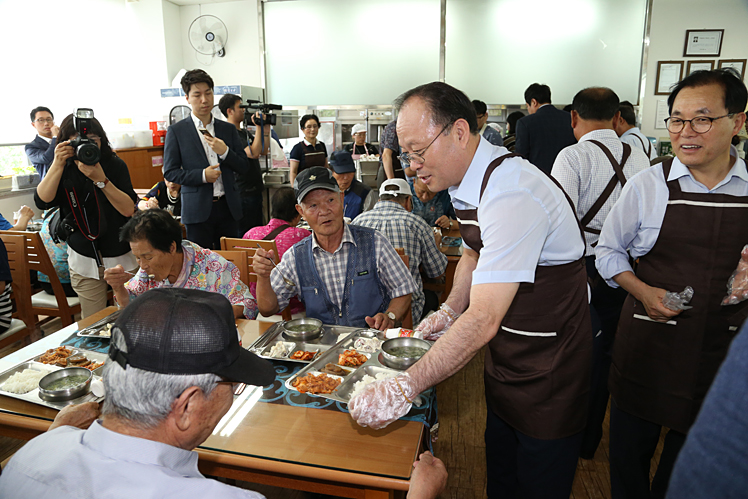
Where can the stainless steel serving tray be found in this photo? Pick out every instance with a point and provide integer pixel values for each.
(342, 393)
(94, 330)
(33, 395)
(331, 335)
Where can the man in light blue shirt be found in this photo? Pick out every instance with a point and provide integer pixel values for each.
(520, 288)
(686, 221)
(166, 390)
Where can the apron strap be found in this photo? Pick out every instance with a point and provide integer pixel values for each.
(605, 195)
(647, 148)
(274, 233)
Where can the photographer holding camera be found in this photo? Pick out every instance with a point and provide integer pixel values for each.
(92, 187)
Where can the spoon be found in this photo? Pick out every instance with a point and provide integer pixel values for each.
(150, 276)
(287, 281)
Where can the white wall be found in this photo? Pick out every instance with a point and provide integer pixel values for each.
(241, 64)
(670, 20)
(103, 54)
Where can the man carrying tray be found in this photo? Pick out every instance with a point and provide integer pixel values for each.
(520, 287)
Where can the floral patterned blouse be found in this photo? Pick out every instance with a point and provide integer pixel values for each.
(201, 269)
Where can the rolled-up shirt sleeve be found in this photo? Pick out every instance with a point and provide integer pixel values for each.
(511, 244)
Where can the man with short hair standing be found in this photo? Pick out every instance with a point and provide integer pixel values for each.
(593, 172)
(625, 127)
(41, 151)
(250, 183)
(392, 217)
(545, 131)
(487, 132)
(344, 274)
(686, 221)
(204, 156)
(520, 288)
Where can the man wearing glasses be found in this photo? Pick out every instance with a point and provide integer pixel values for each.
(686, 221)
(520, 288)
(41, 151)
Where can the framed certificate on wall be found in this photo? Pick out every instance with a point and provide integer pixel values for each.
(699, 66)
(668, 74)
(703, 42)
(738, 64)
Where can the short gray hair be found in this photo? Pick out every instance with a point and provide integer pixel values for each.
(142, 397)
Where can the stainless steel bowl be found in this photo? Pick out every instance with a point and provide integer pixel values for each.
(306, 335)
(67, 393)
(401, 362)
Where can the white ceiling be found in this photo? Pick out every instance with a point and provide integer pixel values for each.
(198, 2)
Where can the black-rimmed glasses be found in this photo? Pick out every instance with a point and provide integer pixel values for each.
(699, 124)
(417, 156)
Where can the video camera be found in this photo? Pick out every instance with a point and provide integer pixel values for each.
(86, 150)
(268, 117)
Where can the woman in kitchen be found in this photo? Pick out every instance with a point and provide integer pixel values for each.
(359, 145)
(310, 151)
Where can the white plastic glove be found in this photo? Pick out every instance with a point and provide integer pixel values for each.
(737, 285)
(437, 323)
(383, 402)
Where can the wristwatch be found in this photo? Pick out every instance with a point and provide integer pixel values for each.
(391, 315)
(103, 184)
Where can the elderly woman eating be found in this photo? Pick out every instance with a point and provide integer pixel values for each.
(168, 261)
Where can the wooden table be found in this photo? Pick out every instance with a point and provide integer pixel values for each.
(315, 450)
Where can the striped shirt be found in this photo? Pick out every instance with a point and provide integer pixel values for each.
(410, 232)
(331, 267)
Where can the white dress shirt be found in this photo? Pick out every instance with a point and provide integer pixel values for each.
(45, 139)
(69, 463)
(524, 218)
(630, 137)
(213, 158)
(635, 221)
(583, 170)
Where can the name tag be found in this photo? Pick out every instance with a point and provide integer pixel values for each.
(365, 272)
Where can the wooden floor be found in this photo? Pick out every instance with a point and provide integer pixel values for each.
(462, 413)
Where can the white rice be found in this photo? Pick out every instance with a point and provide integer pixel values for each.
(360, 385)
(23, 382)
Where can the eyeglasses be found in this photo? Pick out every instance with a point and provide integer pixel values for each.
(417, 156)
(699, 124)
(45, 120)
(311, 127)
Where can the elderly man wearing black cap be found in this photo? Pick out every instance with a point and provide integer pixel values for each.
(359, 197)
(167, 387)
(345, 275)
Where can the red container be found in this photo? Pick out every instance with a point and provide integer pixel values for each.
(159, 137)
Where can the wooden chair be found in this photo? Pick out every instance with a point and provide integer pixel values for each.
(23, 324)
(249, 247)
(42, 303)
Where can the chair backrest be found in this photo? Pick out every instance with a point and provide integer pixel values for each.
(238, 258)
(38, 259)
(249, 247)
(15, 245)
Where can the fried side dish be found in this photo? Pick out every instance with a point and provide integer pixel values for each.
(316, 384)
(336, 370)
(302, 355)
(56, 357)
(351, 358)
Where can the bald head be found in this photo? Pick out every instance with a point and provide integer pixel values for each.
(596, 104)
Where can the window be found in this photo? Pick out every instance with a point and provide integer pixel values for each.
(13, 160)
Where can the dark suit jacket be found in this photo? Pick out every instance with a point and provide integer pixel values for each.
(41, 154)
(541, 136)
(185, 160)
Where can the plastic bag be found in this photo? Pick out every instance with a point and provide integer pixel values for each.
(737, 284)
(677, 301)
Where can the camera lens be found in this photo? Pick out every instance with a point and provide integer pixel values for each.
(88, 153)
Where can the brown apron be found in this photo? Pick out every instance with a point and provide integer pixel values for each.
(618, 176)
(537, 367)
(662, 371)
(312, 157)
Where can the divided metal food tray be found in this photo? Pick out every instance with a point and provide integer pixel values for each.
(33, 395)
(342, 393)
(331, 335)
(94, 330)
